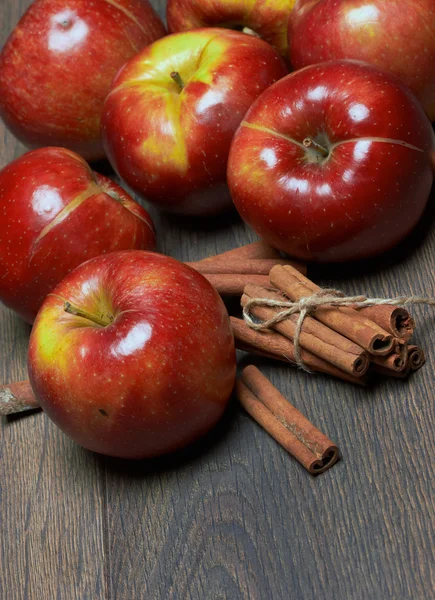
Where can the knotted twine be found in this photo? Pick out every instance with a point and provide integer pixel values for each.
(325, 298)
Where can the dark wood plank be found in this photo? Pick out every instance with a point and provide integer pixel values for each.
(51, 491)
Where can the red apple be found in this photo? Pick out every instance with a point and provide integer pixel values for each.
(58, 63)
(56, 213)
(168, 122)
(269, 20)
(396, 35)
(145, 366)
(332, 163)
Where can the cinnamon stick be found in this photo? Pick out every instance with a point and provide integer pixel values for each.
(391, 372)
(285, 423)
(401, 348)
(16, 398)
(276, 346)
(315, 337)
(347, 321)
(258, 352)
(233, 284)
(397, 361)
(250, 251)
(394, 319)
(255, 266)
(416, 358)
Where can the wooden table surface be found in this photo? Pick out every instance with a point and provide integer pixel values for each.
(233, 517)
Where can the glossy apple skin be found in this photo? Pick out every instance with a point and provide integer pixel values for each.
(269, 20)
(57, 66)
(56, 213)
(395, 35)
(154, 380)
(171, 146)
(366, 195)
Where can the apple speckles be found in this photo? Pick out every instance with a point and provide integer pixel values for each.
(241, 188)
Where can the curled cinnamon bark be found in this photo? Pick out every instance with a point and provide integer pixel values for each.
(396, 361)
(416, 358)
(392, 362)
(394, 319)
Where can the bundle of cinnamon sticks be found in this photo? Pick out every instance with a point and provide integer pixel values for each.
(346, 342)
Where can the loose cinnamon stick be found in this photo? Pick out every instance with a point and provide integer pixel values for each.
(255, 266)
(315, 337)
(285, 423)
(16, 398)
(347, 321)
(416, 358)
(233, 284)
(274, 345)
(250, 251)
(394, 319)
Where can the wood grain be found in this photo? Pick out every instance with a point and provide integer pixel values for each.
(233, 517)
(51, 491)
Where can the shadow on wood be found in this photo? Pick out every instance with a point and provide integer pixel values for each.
(399, 254)
(195, 451)
(223, 220)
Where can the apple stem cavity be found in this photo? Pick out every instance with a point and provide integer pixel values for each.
(310, 143)
(115, 196)
(177, 78)
(79, 312)
(250, 31)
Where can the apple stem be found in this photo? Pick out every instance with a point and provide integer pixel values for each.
(177, 78)
(310, 143)
(79, 312)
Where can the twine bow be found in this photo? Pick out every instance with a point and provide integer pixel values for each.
(308, 305)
